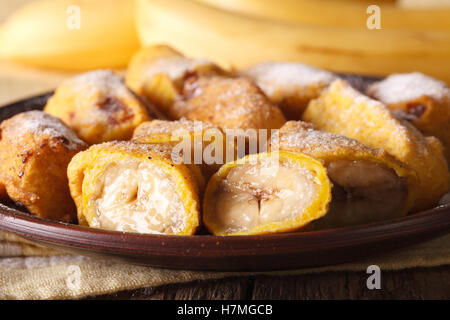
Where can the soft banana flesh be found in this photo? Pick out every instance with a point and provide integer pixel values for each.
(363, 192)
(266, 193)
(136, 197)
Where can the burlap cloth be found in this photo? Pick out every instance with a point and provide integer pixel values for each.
(31, 272)
(28, 271)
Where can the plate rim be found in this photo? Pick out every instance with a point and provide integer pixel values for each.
(435, 221)
(429, 223)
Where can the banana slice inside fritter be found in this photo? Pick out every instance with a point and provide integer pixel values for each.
(363, 192)
(266, 193)
(134, 187)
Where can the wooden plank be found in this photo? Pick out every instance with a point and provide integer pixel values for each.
(223, 289)
(406, 284)
(429, 283)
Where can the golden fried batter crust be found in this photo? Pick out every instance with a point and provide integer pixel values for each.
(420, 99)
(229, 103)
(165, 131)
(35, 149)
(157, 74)
(205, 139)
(3, 194)
(289, 85)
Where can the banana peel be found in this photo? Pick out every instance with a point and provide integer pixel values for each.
(347, 13)
(239, 40)
(45, 34)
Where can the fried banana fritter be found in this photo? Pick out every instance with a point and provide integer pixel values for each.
(98, 106)
(35, 149)
(343, 110)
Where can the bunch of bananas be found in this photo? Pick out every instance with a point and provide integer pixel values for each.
(71, 35)
(324, 33)
(235, 33)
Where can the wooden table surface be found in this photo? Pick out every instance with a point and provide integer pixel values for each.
(428, 283)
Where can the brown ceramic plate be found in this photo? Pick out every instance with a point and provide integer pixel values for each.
(237, 253)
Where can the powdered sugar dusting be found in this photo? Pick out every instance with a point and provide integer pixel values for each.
(398, 88)
(229, 103)
(171, 127)
(372, 114)
(271, 76)
(40, 123)
(344, 110)
(303, 136)
(144, 149)
(176, 67)
(96, 84)
(105, 81)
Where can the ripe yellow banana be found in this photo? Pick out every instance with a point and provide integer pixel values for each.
(234, 39)
(45, 33)
(349, 13)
